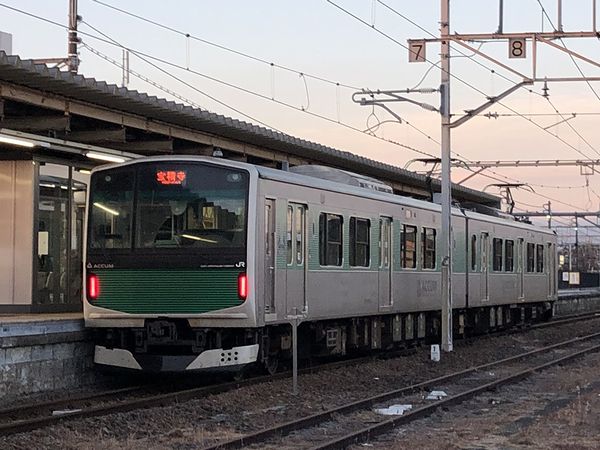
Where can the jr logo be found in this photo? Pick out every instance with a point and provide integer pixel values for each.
(241, 264)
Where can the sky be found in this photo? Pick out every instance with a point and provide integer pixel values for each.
(316, 38)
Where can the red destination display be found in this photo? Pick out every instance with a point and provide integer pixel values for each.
(170, 176)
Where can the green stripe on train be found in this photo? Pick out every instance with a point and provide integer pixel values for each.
(150, 291)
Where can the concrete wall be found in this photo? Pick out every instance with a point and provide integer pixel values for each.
(576, 303)
(18, 188)
(51, 355)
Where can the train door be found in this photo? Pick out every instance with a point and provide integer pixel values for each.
(520, 268)
(551, 267)
(296, 258)
(485, 267)
(385, 262)
(269, 255)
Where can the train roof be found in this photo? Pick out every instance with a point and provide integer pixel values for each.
(333, 186)
(283, 176)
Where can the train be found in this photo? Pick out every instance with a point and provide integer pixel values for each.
(201, 263)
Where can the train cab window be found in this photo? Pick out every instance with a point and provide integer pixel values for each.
(509, 259)
(428, 248)
(530, 257)
(288, 235)
(473, 253)
(497, 254)
(330, 239)
(409, 247)
(539, 258)
(360, 230)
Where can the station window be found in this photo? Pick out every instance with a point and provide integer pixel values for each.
(428, 248)
(473, 253)
(509, 259)
(539, 258)
(497, 254)
(530, 257)
(288, 235)
(409, 247)
(360, 230)
(330, 239)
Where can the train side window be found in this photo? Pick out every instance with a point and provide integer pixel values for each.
(509, 252)
(288, 235)
(497, 254)
(539, 258)
(428, 248)
(530, 257)
(360, 230)
(330, 239)
(409, 247)
(473, 253)
(385, 242)
(300, 217)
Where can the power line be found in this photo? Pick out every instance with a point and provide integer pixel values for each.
(225, 48)
(220, 102)
(138, 53)
(279, 102)
(565, 47)
(466, 83)
(462, 81)
(112, 42)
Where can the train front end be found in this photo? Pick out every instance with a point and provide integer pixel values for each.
(167, 270)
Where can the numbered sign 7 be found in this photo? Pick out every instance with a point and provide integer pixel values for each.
(416, 51)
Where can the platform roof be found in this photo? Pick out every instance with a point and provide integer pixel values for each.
(82, 108)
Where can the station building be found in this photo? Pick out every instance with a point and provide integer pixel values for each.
(55, 126)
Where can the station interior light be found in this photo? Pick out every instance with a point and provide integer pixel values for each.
(105, 157)
(16, 141)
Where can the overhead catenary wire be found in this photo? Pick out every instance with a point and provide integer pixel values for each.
(457, 78)
(311, 113)
(112, 43)
(138, 53)
(226, 48)
(389, 37)
(545, 13)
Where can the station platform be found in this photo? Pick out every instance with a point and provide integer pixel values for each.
(35, 324)
(44, 352)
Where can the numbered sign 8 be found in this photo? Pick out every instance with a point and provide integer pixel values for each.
(517, 48)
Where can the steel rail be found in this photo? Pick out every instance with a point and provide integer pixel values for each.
(191, 393)
(308, 421)
(69, 401)
(390, 424)
(181, 395)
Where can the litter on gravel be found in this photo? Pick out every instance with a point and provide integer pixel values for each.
(393, 410)
(436, 395)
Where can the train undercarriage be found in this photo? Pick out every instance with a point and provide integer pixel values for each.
(171, 345)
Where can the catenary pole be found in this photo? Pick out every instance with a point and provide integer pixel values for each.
(446, 234)
(73, 40)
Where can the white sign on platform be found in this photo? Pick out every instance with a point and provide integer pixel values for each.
(574, 278)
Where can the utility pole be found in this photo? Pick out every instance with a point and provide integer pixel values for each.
(446, 234)
(73, 40)
(576, 244)
(125, 74)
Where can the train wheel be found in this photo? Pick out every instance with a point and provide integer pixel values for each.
(272, 363)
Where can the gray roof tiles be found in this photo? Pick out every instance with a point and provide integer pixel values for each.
(53, 81)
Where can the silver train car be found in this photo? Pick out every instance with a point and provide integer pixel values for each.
(199, 263)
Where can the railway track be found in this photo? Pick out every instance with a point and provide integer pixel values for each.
(28, 417)
(345, 425)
